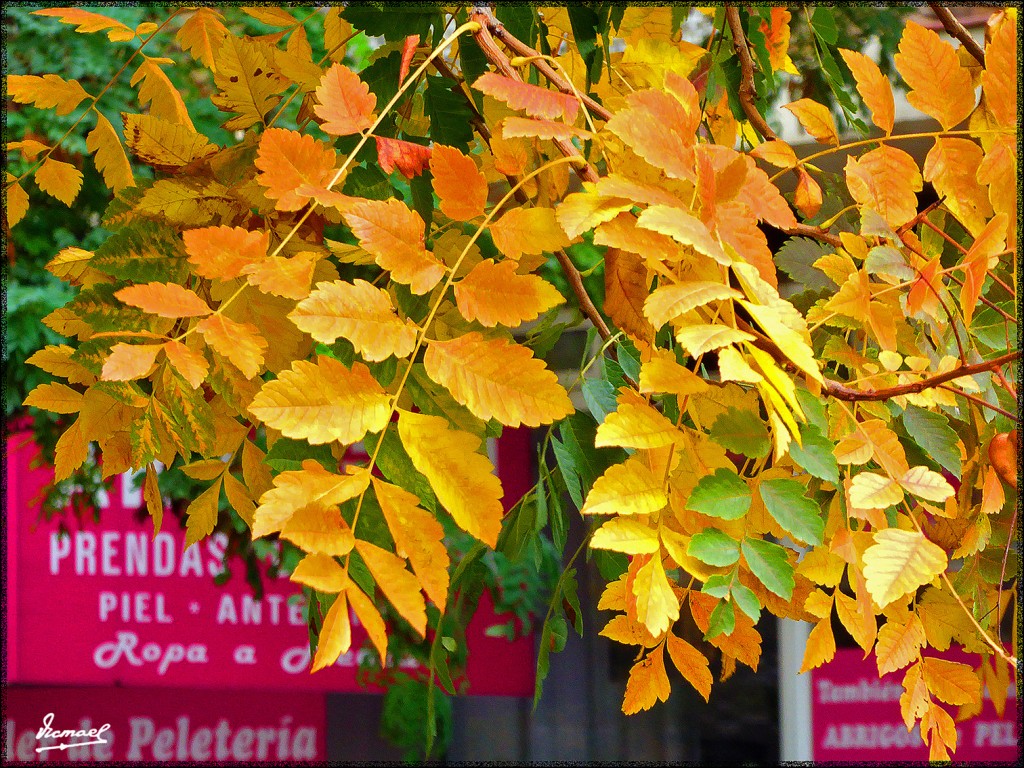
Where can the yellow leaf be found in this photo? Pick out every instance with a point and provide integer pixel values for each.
(164, 145)
(926, 484)
(359, 312)
(370, 618)
(684, 229)
(71, 451)
(335, 634)
(201, 35)
(886, 180)
(321, 572)
(130, 361)
(698, 339)
(660, 129)
(981, 257)
(154, 501)
(460, 187)
(527, 231)
(794, 342)
(296, 488)
(345, 102)
(394, 235)
(17, 202)
(318, 528)
(899, 643)
(46, 92)
(952, 168)
(663, 374)
(337, 32)
(110, 159)
(821, 646)
(941, 730)
(670, 301)
(822, 566)
(899, 562)
(915, 697)
(886, 448)
(647, 683)
(238, 497)
(625, 630)
(819, 604)
(776, 152)
(418, 536)
(164, 299)
(497, 379)
(999, 80)
(940, 87)
(625, 534)
(157, 90)
(582, 211)
(807, 197)
(462, 478)
(202, 514)
(816, 119)
(241, 343)
(629, 488)
(657, 606)
(55, 397)
(87, 21)
(533, 99)
(520, 127)
(399, 586)
(992, 495)
(60, 180)
(870, 490)
(322, 402)
(873, 87)
(192, 365)
(493, 294)
(951, 682)
(858, 619)
(248, 82)
(635, 424)
(692, 665)
(289, 277)
(223, 252)
(293, 166)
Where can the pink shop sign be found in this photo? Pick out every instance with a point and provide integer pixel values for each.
(856, 717)
(112, 604)
(107, 724)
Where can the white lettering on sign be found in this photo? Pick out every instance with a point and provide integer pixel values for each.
(871, 736)
(29, 745)
(116, 553)
(995, 733)
(108, 654)
(221, 743)
(137, 607)
(245, 610)
(864, 690)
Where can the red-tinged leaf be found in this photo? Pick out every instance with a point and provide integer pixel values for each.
(192, 365)
(873, 87)
(288, 160)
(127, 362)
(164, 299)
(410, 159)
(521, 127)
(109, 155)
(978, 261)
(886, 180)
(87, 21)
(940, 87)
(532, 99)
(808, 194)
(46, 92)
(493, 294)
(345, 102)
(408, 51)
(60, 180)
(222, 253)
(460, 186)
(288, 277)
(241, 343)
(393, 234)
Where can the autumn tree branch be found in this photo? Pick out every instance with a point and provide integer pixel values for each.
(959, 31)
(747, 92)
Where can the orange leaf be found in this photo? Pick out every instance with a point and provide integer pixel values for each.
(157, 90)
(647, 683)
(808, 194)
(201, 34)
(60, 180)
(924, 293)
(776, 152)
(940, 87)
(899, 642)
(408, 51)
(17, 202)
(287, 160)
(335, 634)
(46, 92)
(692, 664)
(521, 127)
(776, 36)
(370, 618)
(821, 646)
(493, 294)
(87, 21)
(951, 682)
(981, 257)
(223, 252)
(461, 188)
(886, 180)
(532, 99)
(109, 155)
(660, 130)
(288, 277)
(393, 234)
(952, 168)
(130, 361)
(528, 230)
(763, 199)
(873, 87)
(410, 159)
(71, 451)
(164, 299)
(399, 586)
(321, 572)
(816, 119)
(999, 80)
(319, 529)
(241, 343)
(345, 102)
(626, 287)
(192, 365)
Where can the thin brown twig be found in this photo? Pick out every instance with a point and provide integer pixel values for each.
(806, 230)
(978, 401)
(959, 31)
(987, 302)
(747, 92)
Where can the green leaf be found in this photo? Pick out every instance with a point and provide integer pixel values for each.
(581, 463)
(431, 398)
(599, 396)
(517, 528)
(797, 514)
(724, 495)
(796, 257)
(768, 562)
(380, 20)
(722, 620)
(396, 466)
(144, 252)
(450, 116)
(932, 432)
(611, 565)
(824, 25)
(815, 455)
(519, 20)
(745, 598)
(718, 585)
(813, 409)
(742, 432)
(571, 600)
(714, 547)
(287, 454)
